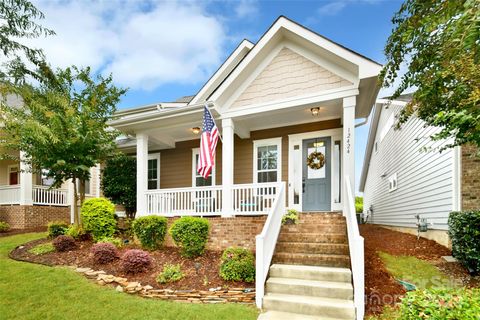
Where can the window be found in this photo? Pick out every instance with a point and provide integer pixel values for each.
(153, 171)
(267, 160)
(197, 179)
(46, 181)
(392, 182)
(13, 175)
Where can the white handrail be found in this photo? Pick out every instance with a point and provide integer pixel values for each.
(266, 241)
(10, 194)
(355, 243)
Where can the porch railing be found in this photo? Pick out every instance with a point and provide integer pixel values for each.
(10, 194)
(266, 241)
(45, 196)
(355, 243)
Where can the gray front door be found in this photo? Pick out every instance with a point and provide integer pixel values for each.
(316, 182)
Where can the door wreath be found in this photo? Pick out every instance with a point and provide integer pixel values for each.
(316, 160)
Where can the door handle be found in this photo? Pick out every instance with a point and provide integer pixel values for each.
(303, 185)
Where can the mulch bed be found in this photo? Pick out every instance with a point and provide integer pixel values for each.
(207, 276)
(380, 287)
(12, 232)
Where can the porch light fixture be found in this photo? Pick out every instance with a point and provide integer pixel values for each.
(315, 111)
(195, 130)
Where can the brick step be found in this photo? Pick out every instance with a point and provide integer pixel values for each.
(312, 247)
(321, 215)
(311, 259)
(315, 228)
(313, 237)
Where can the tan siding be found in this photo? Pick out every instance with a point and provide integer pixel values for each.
(288, 75)
(4, 170)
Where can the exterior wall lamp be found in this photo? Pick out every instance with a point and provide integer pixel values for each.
(195, 130)
(315, 111)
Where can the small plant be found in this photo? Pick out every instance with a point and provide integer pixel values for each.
(4, 227)
(42, 248)
(151, 231)
(291, 217)
(117, 242)
(98, 217)
(63, 243)
(170, 273)
(191, 235)
(104, 252)
(237, 264)
(56, 228)
(463, 228)
(358, 204)
(135, 261)
(76, 231)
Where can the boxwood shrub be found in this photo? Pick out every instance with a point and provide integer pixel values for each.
(151, 231)
(56, 228)
(98, 217)
(4, 227)
(441, 304)
(464, 230)
(237, 264)
(170, 273)
(191, 235)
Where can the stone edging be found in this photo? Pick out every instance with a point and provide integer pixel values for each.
(213, 295)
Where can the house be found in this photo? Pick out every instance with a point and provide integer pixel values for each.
(405, 175)
(286, 108)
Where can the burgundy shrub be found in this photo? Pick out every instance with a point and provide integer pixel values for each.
(104, 252)
(64, 243)
(135, 261)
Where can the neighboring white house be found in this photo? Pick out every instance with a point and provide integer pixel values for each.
(405, 175)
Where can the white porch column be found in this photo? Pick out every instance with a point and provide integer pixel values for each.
(348, 161)
(142, 166)
(71, 200)
(26, 182)
(227, 166)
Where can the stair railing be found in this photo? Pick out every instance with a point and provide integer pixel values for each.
(355, 243)
(266, 241)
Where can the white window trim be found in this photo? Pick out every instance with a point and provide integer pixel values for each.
(152, 156)
(195, 152)
(392, 182)
(263, 143)
(9, 167)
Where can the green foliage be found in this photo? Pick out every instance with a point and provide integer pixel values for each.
(464, 230)
(4, 227)
(117, 242)
(98, 217)
(191, 235)
(42, 248)
(438, 42)
(56, 228)
(75, 231)
(358, 204)
(291, 217)
(439, 304)
(237, 264)
(170, 273)
(119, 182)
(151, 231)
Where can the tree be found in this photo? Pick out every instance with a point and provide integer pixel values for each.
(438, 41)
(62, 126)
(18, 22)
(119, 182)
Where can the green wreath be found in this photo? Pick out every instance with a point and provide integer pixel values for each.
(315, 160)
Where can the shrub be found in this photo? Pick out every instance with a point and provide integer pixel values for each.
(441, 304)
(98, 217)
(56, 228)
(237, 264)
(150, 230)
(117, 242)
(170, 273)
(135, 261)
(64, 243)
(358, 204)
(191, 235)
(42, 248)
(291, 217)
(104, 252)
(75, 231)
(463, 228)
(4, 227)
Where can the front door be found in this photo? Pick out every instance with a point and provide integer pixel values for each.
(13, 175)
(316, 174)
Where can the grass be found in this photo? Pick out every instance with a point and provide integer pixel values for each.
(30, 291)
(42, 248)
(419, 272)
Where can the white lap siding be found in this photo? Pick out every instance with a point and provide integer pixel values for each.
(424, 177)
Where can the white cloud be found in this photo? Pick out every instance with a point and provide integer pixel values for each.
(144, 45)
(246, 8)
(332, 8)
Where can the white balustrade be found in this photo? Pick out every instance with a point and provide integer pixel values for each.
(251, 199)
(45, 196)
(10, 194)
(266, 242)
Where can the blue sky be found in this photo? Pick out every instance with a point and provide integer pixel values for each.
(165, 50)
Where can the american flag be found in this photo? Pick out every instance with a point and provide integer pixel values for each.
(208, 143)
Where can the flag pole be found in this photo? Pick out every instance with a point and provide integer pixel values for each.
(211, 115)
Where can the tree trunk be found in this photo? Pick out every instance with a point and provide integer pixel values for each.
(76, 215)
(82, 191)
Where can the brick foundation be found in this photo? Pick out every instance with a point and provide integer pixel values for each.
(239, 231)
(470, 179)
(23, 217)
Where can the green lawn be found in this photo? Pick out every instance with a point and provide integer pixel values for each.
(30, 291)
